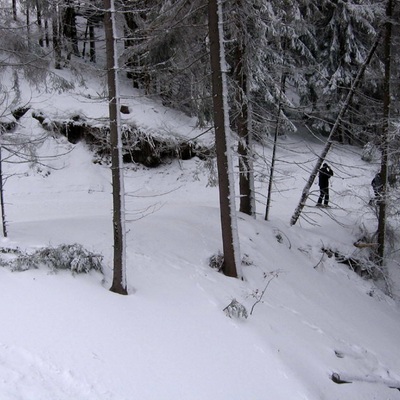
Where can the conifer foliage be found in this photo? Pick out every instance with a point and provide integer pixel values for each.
(72, 257)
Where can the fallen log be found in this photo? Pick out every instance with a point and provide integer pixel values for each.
(342, 378)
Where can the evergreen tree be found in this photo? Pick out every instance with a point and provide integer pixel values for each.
(345, 31)
(230, 237)
(284, 46)
(240, 60)
(385, 132)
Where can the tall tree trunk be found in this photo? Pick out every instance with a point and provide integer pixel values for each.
(46, 32)
(273, 159)
(92, 41)
(14, 9)
(85, 39)
(385, 133)
(69, 29)
(230, 239)
(119, 275)
(28, 26)
(39, 23)
(332, 134)
(3, 215)
(246, 172)
(56, 39)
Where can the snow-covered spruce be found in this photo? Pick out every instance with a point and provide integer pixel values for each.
(73, 257)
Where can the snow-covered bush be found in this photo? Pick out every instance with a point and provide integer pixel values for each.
(235, 309)
(7, 254)
(71, 257)
(216, 261)
(369, 152)
(211, 167)
(207, 167)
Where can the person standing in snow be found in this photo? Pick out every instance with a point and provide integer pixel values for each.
(325, 173)
(377, 186)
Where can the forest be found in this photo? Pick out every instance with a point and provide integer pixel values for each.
(170, 152)
(331, 67)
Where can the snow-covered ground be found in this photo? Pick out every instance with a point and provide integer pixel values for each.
(67, 337)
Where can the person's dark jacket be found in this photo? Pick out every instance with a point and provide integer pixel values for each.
(324, 174)
(377, 183)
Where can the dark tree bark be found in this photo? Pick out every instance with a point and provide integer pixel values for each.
(28, 26)
(273, 159)
(225, 177)
(69, 29)
(119, 276)
(14, 9)
(385, 133)
(46, 32)
(3, 215)
(246, 177)
(39, 23)
(56, 40)
(92, 41)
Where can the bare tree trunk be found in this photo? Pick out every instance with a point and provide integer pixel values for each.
(271, 172)
(3, 215)
(46, 32)
(334, 129)
(69, 29)
(246, 181)
(246, 172)
(28, 26)
(92, 41)
(39, 23)
(385, 133)
(277, 129)
(85, 39)
(230, 240)
(119, 276)
(14, 9)
(56, 39)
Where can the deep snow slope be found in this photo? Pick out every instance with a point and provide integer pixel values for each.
(68, 337)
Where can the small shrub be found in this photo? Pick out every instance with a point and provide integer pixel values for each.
(216, 261)
(10, 250)
(369, 152)
(210, 165)
(23, 262)
(235, 309)
(64, 257)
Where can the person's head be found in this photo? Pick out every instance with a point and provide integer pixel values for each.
(325, 165)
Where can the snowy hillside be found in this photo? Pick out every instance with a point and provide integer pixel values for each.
(67, 337)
